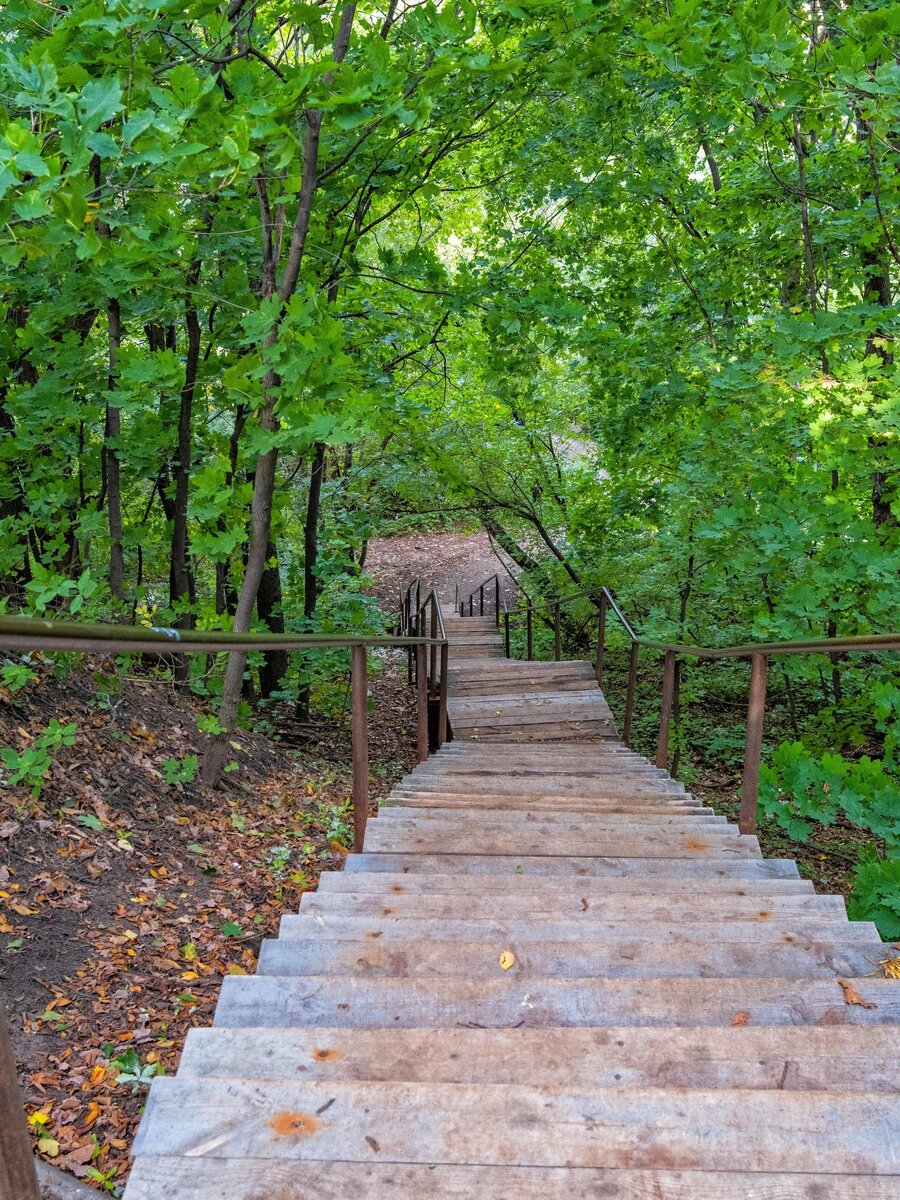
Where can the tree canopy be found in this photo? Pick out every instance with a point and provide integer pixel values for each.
(616, 280)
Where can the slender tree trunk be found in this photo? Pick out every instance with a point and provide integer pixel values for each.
(181, 583)
(269, 609)
(683, 602)
(311, 586)
(265, 474)
(112, 471)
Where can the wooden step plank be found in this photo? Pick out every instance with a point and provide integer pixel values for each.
(777, 929)
(668, 805)
(578, 865)
(511, 718)
(584, 908)
(217, 1178)
(511, 1125)
(533, 840)
(794, 1058)
(558, 730)
(388, 883)
(580, 784)
(550, 705)
(552, 820)
(461, 687)
(638, 959)
(460, 769)
(268, 1000)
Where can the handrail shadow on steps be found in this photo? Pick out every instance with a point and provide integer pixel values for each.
(758, 653)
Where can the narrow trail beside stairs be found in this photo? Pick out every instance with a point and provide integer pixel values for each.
(551, 974)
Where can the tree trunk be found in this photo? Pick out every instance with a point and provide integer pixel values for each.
(264, 476)
(111, 471)
(181, 583)
(311, 587)
(310, 557)
(269, 609)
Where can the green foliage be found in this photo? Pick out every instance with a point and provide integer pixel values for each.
(133, 1072)
(337, 821)
(181, 770)
(15, 676)
(30, 765)
(876, 894)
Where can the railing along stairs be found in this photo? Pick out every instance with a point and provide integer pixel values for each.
(490, 595)
(420, 633)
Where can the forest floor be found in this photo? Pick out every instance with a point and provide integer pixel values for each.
(124, 899)
(441, 559)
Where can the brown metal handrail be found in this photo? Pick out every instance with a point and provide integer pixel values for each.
(24, 634)
(429, 663)
(758, 653)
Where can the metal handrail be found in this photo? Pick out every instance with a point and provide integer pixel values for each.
(428, 667)
(24, 634)
(37, 634)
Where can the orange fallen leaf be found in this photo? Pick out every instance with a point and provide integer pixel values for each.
(852, 996)
(740, 1018)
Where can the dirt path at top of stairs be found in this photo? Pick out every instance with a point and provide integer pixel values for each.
(441, 560)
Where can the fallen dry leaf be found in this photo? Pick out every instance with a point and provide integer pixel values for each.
(740, 1018)
(507, 959)
(852, 996)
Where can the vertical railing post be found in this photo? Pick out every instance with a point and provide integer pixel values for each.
(421, 703)
(359, 725)
(442, 695)
(472, 604)
(481, 601)
(557, 633)
(528, 632)
(756, 711)
(665, 713)
(432, 681)
(601, 637)
(497, 598)
(18, 1178)
(629, 697)
(506, 632)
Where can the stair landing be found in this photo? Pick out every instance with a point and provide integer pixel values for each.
(552, 974)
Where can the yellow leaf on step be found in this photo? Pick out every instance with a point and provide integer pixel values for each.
(507, 959)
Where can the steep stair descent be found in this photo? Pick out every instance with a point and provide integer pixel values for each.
(553, 973)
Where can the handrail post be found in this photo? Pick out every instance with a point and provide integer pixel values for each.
(557, 633)
(756, 710)
(359, 724)
(432, 682)
(18, 1178)
(629, 698)
(442, 695)
(481, 601)
(506, 632)
(472, 605)
(497, 598)
(421, 704)
(665, 714)
(528, 636)
(601, 637)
